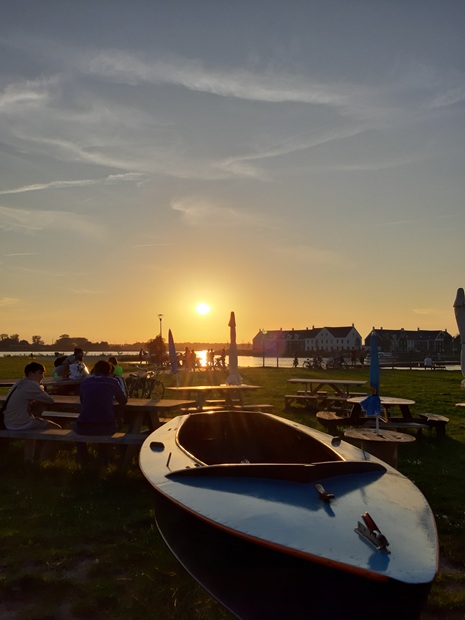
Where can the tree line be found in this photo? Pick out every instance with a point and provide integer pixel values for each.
(65, 342)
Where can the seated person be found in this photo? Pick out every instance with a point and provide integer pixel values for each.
(58, 368)
(77, 371)
(71, 367)
(118, 369)
(118, 375)
(26, 401)
(97, 393)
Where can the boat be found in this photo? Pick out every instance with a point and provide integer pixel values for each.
(278, 520)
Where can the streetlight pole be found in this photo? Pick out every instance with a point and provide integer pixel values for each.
(160, 316)
(279, 339)
(263, 332)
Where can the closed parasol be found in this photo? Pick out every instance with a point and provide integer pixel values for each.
(233, 378)
(459, 308)
(173, 356)
(372, 403)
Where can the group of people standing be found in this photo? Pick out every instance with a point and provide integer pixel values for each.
(216, 362)
(190, 361)
(98, 389)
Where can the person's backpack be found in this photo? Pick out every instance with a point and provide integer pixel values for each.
(2, 410)
(59, 360)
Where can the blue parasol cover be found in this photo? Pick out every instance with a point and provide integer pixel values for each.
(372, 403)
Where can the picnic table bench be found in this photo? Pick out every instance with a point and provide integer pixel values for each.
(331, 420)
(303, 399)
(435, 421)
(30, 437)
(321, 394)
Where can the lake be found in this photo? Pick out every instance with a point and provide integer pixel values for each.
(245, 361)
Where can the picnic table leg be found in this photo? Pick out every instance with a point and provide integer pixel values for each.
(154, 420)
(29, 450)
(129, 453)
(43, 449)
(405, 411)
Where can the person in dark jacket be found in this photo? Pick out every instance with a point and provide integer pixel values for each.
(97, 394)
(97, 413)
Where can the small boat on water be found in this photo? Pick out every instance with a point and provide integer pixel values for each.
(278, 520)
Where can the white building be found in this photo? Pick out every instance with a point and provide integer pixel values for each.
(306, 341)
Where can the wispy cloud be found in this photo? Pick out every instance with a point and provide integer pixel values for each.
(22, 254)
(23, 220)
(31, 93)
(284, 85)
(267, 85)
(84, 126)
(8, 301)
(425, 311)
(197, 211)
(240, 164)
(110, 179)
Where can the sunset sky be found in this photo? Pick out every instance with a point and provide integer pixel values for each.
(298, 162)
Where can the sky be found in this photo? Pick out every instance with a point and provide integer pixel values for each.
(298, 162)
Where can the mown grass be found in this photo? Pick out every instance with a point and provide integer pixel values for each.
(83, 543)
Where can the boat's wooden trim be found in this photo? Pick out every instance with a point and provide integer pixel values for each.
(323, 561)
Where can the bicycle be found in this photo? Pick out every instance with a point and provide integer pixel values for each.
(315, 364)
(219, 364)
(145, 384)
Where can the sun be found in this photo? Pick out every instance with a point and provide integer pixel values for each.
(203, 308)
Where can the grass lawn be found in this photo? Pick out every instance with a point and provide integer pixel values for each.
(83, 543)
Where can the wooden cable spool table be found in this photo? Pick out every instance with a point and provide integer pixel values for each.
(383, 444)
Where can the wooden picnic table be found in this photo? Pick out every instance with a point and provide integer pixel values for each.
(230, 395)
(388, 421)
(383, 443)
(7, 382)
(50, 383)
(387, 402)
(322, 393)
(406, 421)
(46, 381)
(137, 411)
